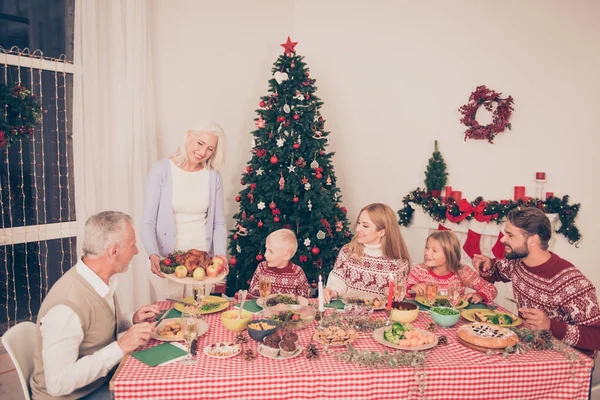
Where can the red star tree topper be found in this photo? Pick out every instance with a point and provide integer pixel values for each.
(289, 46)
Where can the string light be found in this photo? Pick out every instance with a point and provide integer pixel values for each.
(60, 208)
(2, 207)
(63, 59)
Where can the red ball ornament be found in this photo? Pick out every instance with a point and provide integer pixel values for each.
(276, 219)
(296, 117)
(322, 153)
(318, 175)
(242, 182)
(260, 224)
(235, 236)
(259, 257)
(272, 205)
(248, 169)
(274, 160)
(295, 199)
(315, 250)
(262, 103)
(296, 146)
(238, 198)
(286, 123)
(232, 260)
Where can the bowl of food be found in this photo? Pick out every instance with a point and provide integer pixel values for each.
(444, 316)
(234, 322)
(260, 328)
(403, 311)
(291, 317)
(290, 336)
(270, 346)
(287, 348)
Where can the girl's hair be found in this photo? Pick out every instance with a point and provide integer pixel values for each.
(215, 161)
(450, 247)
(392, 243)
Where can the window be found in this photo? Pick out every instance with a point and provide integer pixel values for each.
(37, 203)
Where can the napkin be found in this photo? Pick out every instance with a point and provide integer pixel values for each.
(336, 303)
(250, 305)
(171, 313)
(156, 355)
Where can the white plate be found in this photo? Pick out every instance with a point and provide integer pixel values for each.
(279, 356)
(201, 329)
(235, 349)
(302, 301)
(378, 336)
(188, 280)
(367, 297)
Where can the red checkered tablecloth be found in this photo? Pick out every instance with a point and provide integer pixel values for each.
(453, 372)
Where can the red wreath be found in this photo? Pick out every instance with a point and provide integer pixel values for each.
(501, 116)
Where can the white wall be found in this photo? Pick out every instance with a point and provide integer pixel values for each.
(392, 75)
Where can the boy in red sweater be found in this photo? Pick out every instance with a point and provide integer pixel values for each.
(286, 277)
(552, 293)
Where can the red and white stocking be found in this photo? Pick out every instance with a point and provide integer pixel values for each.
(471, 246)
(498, 249)
(443, 228)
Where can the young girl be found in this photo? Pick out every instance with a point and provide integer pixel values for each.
(442, 265)
(363, 266)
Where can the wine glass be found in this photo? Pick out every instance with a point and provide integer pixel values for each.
(199, 293)
(399, 290)
(264, 287)
(454, 297)
(189, 323)
(431, 290)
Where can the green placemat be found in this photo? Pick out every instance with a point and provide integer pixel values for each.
(158, 354)
(171, 313)
(250, 305)
(470, 306)
(336, 303)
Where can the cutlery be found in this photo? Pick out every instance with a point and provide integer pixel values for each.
(513, 301)
(243, 294)
(164, 314)
(193, 304)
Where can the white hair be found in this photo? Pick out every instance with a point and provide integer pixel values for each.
(216, 160)
(102, 230)
(284, 238)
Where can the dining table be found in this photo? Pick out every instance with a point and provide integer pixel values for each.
(450, 371)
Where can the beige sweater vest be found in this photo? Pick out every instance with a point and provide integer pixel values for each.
(98, 321)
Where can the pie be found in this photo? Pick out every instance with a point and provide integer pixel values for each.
(488, 336)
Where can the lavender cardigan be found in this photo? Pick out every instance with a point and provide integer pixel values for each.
(158, 222)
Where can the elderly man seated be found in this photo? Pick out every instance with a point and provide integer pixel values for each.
(77, 346)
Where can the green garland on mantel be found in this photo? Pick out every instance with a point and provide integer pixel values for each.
(490, 210)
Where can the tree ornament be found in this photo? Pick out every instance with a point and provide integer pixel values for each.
(289, 47)
(235, 236)
(315, 250)
(328, 181)
(279, 77)
(281, 182)
(280, 142)
(260, 122)
(262, 103)
(260, 224)
(500, 119)
(286, 108)
(307, 186)
(248, 169)
(307, 96)
(307, 242)
(261, 205)
(274, 160)
(298, 96)
(276, 218)
(320, 235)
(293, 64)
(309, 205)
(259, 257)
(238, 198)
(296, 117)
(286, 123)
(314, 164)
(242, 182)
(296, 146)
(300, 163)
(318, 175)
(272, 205)
(291, 169)
(295, 199)
(232, 260)
(259, 171)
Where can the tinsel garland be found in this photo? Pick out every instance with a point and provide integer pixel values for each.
(492, 210)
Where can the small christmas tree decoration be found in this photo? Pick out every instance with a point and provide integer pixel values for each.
(312, 351)
(432, 327)
(241, 338)
(249, 355)
(442, 340)
(436, 175)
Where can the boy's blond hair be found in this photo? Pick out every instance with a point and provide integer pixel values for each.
(284, 238)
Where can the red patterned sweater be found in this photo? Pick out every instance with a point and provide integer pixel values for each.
(561, 291)
(467, 277)
(368, 275)
(290, 279)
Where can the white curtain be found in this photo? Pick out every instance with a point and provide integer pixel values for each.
(114, 127)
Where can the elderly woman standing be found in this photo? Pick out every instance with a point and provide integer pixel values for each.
(183, 203)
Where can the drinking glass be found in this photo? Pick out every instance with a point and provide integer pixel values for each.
(199, 292)
(189, 323)
(264, 287)
(399, 289)
(431, 291)
(454, 297)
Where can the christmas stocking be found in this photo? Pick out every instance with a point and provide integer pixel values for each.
(471, 246)
(442, 228)
(498, 249)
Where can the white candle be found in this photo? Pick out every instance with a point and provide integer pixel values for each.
(321, 300)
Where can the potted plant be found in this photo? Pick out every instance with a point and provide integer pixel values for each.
(436, 175)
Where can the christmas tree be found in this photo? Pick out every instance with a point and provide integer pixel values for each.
(289, 181)
(436, 175)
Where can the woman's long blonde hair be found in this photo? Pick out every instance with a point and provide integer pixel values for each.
(451, 248)
(392, 243)
(216, 160)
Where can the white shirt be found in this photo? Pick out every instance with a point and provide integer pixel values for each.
(339, 285)
(62, 334)
(190, 207)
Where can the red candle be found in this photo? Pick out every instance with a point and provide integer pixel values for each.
(448, 191)
(503, 201)
(390, 293)
(457, 195)
(540, 175)
(549, 194)
(519, 192)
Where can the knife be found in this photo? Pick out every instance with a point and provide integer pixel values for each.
(158, 321)
(513, 301)
(193, 304)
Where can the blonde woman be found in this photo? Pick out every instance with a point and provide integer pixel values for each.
(442, 265)
(183, 203)
(376, 250)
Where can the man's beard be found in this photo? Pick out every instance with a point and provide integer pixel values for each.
(516, 254)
